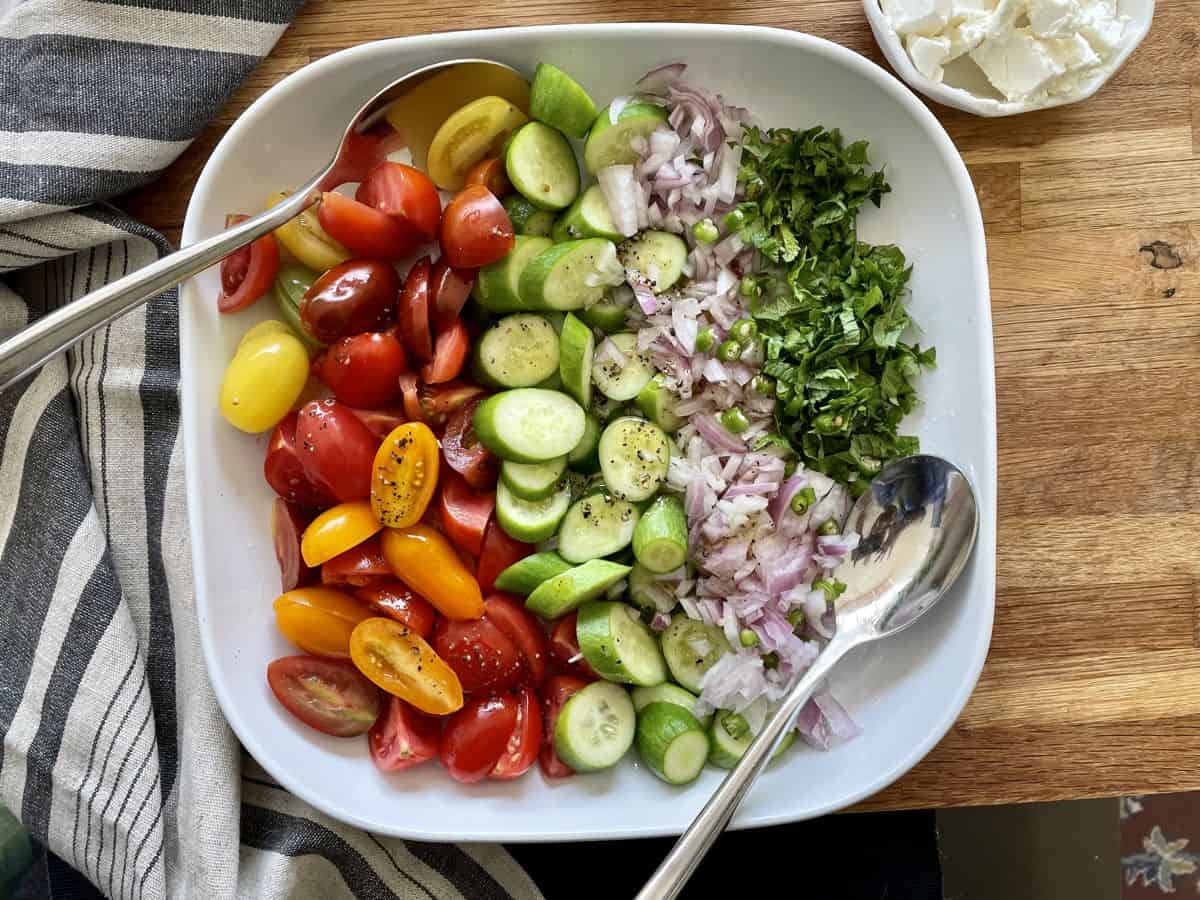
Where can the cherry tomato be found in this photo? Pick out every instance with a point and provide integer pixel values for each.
(381, 422)
(474, 740)
(399, 661)
(285, 473)
(475, 229)
(463, 452)
(337, 530)
(499, 552)
(424, 560)
(248, 273)
(449, 289)
(556, 691)
(449, 354)
(305, 239)
(404, 193)
(361, 566)
(265, 378)
(564, 649)
(433, 404)
(413, 314)
(509, 615)
(329, 695)
(405, 475)
(403, 737)
(355, 296)
(319, 620)
(364, 369)
(336, 450)
(393, 599)
(365, 231)
(288, 521)
(464, 512)
(491, 174)
(525, 740)
(481, 655)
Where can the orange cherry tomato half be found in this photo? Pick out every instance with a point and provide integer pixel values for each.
(403, 664)
(424, 560)
(337, 530)
(403, 737)
(329, 695)
(449, 354)
(393, 599)
(475, 229)
(319, 620)
(405, 475)
(248, 273)
(404, 193)
(491, 174)
(364, 230)
(525, 741)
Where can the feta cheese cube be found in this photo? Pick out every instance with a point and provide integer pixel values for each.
(1100, 24)
(929, 54)
(1017, 64)
(1074, 53)
(970, 9)
(1053, 18)
(926, 17)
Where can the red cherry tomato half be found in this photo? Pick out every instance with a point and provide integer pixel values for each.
(404, 193)
(393, 599)
(481, 655)
(434, 404)
(449, 289)
(510, 616)
(330, 695)
(525, 740)
(464, 513)
(248, 273)
(463, 452)
(360, 566)
(403, 737)
(413, 317)
(285, 472)
(499, 552)
(364, 369)
(556, 691)
(363, 230)
(449, 354)
(564, 649)
(491, 174)
(475, 229)
(336, 450)
(355, 296)
(288, 522)
(476, 736)
(381, 422)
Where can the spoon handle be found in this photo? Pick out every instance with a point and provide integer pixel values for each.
(59, 330)
(675, 870)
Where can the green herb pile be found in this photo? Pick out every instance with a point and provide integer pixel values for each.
(830, 307)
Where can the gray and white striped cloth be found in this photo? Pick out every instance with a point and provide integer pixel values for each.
(115, 753)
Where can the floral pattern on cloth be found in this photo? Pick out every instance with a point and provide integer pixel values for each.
(1160, 846)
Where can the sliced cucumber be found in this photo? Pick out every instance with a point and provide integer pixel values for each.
(582, 484)
(605, 409)
(607, 315)
(657, 404)
(658, 256)
(530, 521)
(552, 382)
(660, 540)
(557, 99)
(729, 738)
(533, 481)
(576, 348)
(523, 576)
(598, 525)
(667, 693)
(542, 166)
(569, 590)
(621, 375)
(518, 351)
(595, 728)
(587, 217)
(527, 218)
(691, 648)
(611, 144)
(644, 590)
(571, 275)
(586, 455)
(634, 456)
(671, 742)
(529, 424)
(618, 645)
(497, 286)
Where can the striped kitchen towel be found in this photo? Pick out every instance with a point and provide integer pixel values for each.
(115, 753)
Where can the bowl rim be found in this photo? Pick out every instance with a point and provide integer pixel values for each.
(987, 471)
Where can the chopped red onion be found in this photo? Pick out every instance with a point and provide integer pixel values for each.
(717, 435)
(658, 80)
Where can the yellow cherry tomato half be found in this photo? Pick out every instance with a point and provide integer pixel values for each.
(319, 620)
(405, 475)
(305, 239)
(402, 663)
(263, 380)
(424, 560)
(476, 131)
(337, 530)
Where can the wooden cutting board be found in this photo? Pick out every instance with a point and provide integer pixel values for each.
(1092, 211)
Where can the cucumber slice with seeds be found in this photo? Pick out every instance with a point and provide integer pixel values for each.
(587, 217)
(595, 526)
(691, 648)
(667, 693)
(558, 100)
(672, 743)
(518, 351)
(529, 424)
(620, 371)
(571, 275)
(530, 521)
(634, 457)
(497, 286)
(612, 143)
(658, 256)
(657, 404)
(576, 349)
(525, 575)
(542, 166)
(527, 218)
(595, 728)
(533, 481)
(618, 645)
(569, 590)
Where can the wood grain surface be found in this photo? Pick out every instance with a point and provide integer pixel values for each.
(1092, 686)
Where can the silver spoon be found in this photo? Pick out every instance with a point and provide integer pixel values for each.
(918, 523)
(62, 328)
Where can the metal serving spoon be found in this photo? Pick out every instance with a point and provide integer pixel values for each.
(918, 523)
(62, 328)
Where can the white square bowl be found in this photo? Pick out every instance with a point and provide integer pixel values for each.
(905, 692)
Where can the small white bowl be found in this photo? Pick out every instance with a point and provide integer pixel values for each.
(968, 97)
